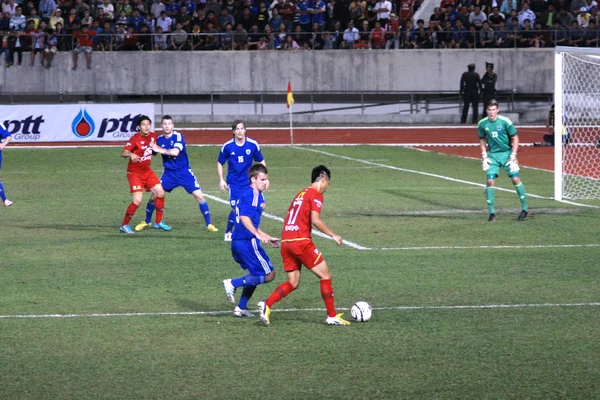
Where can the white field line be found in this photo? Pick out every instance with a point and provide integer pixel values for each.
(537, 246)
(447, 178)
(223, 312)
(279, 219)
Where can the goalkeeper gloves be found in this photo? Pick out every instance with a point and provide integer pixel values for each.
(512, 163)
(485, 161)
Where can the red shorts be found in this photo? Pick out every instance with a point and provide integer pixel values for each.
(294, 254)
(139, 182)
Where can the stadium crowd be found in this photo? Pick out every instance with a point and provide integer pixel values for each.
(48, 26)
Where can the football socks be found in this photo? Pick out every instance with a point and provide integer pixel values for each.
(246, 294)
(520, 188)
(149, 211)
(489, 195)
(282, 290)
(160, 207)
(2, 194)
(205, 212)
(327, 294)
(230, 220)
(248, 280)
(129, 213)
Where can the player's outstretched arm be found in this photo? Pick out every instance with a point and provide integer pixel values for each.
(174, 152)
(320, 225)
(6, 141)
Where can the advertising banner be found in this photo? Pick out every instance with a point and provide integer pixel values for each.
(73, 122)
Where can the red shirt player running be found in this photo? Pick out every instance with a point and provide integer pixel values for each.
(139, 151)
(297, 247)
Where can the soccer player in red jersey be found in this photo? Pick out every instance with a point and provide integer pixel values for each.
(140, 176)
(297, 247)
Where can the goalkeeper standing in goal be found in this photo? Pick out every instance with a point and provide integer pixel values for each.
(499, 134)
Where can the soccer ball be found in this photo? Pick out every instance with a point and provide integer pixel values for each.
(361, 311)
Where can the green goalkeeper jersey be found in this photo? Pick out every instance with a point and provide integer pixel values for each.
(498, 133)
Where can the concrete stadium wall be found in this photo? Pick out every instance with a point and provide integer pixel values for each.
(151, 73)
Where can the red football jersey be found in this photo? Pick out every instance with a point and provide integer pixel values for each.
(140, 146)
(298, 224)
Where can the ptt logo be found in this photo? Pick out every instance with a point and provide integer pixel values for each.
(83, 125)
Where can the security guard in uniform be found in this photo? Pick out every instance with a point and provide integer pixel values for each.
(488, 83)
(470, 86)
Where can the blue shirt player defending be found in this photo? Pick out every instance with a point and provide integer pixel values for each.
(239, 153)
(246, 239)
(171, 145)
(5, 138)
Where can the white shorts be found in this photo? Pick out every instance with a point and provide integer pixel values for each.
(81, 49)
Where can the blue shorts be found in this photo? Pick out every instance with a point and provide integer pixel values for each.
(234, 194)
(185, 178)
(0, 159)
(251, 256)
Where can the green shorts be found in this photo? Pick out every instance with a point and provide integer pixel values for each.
(498, 160)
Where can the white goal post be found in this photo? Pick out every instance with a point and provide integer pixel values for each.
(576, 123)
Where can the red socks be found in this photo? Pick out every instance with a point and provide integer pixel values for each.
(327, 293)
(129, 213)
(160, 207)
(282, 290)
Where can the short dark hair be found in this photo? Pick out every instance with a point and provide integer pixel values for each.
(167, 117)
(142, 118)
(319, 172)
(257, 169)
(492, 103)
(237, 122)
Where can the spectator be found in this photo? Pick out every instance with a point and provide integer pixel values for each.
(576, 35)
(137, 20)
(64, 38)
(500, 35)
(247, 19)
(83, 39)
(122, 18)
(464, 16)
(39, 44)
(287, 11)
(495, 18)
(282, 33)
(303, 10)
(184, 19)
(34, 17)
(160, 39)
(56, 18)
(486, 36)
(190, 6)
(211, 41)
(130, 40)
(106, 38)
(392, 30)
(538, 7)
(577, 5)
(356, 11)
(214, 6)
(364, 36)
(565, 18)
(350, 36)
(459, 36)
(548, 17)
(508, 6)
(437, 16)
(16, 44)
(164, 22)
(29, 30)
(18, 21)
(46, 8)
(108, 9)
(290, 43)
(317, 11)
(558, 35)
(150, 23)
(51, 48)
(72, 17)
(212, 19)
(477, 17)
(10, 7)
(80, 8)
(526, 13)
(540, 37)
(444, 37)
(226, 18)
(179, 39)
(276, 20)
(377, 37)
(172, 9)
(240, 37)
(527, 35)
(254, 38)
(583, 18)
(227, 36)
(157, 8)
(592, 35)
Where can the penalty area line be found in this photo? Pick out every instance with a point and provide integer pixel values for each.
(397, 308)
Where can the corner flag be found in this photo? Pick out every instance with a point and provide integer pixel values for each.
(290, 96)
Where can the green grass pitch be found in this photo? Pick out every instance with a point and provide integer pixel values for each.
(62, 254)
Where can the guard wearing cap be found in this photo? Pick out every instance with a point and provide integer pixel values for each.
(470, 86)
(488, 84)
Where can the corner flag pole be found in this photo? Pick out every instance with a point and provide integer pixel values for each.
(289, 102)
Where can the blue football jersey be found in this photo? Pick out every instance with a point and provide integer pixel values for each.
(175, 141)
(239, 160)
(250, 204)
(4, 133)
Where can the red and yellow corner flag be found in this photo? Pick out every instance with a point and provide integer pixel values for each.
(290, 96)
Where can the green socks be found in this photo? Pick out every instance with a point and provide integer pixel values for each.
(489, 195)
(521, 192)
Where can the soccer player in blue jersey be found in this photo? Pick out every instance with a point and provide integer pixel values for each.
(239, 153)
(5, 138)
(246, 239)
(171, 145)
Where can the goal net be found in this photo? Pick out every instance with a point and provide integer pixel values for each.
(577, 123)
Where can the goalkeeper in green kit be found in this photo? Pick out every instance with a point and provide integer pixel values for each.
(500, 135)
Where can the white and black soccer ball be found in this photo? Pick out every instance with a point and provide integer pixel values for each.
(361, 311)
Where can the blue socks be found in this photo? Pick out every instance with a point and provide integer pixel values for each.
(205, 212)
(230, 221)
(2, 194)
(246, 294)
(149, 210)
(248, 280)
